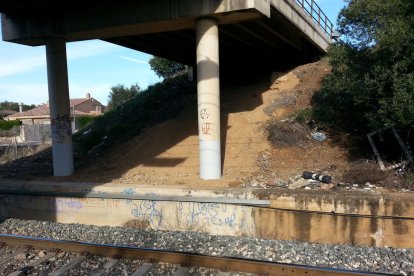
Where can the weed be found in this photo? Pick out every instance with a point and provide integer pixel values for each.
(303, 116)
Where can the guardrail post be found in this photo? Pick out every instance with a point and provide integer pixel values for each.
(311, 9)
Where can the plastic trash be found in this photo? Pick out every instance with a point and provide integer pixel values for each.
(318, 136)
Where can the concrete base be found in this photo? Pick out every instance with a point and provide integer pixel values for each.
(210, 160)
(371, 219)
(63, 159)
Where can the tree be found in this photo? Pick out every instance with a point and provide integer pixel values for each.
(120, 94)
(165, 68)
(6, 105)
(372, 79)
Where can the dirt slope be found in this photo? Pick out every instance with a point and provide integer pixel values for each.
(168, 153)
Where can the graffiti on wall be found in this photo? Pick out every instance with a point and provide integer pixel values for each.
(198, 213)
(148, 210)
(161, 215)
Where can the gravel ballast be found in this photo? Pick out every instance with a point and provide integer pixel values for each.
(362, 258)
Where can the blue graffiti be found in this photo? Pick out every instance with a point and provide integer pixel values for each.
(209, 213)
(147, 210)
(73, 204)
(128, 192)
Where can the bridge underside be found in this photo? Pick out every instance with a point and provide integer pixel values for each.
(215, 36)
(271, 33)
(265, 43)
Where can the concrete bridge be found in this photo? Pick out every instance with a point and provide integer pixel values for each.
(211, 35)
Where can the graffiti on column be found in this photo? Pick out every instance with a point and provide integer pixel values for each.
(61, 129)
(206, 126)
(204, 114)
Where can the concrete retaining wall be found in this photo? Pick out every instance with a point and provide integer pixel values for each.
(367, 219)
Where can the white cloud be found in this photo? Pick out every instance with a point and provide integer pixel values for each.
(79, 50)
(134, 60)
(13, 63)
(21, 65)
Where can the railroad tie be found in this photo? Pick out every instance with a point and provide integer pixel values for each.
(143, 270)
(67, 267)
(182, 271)
(23, 271)
(106, 267)
(8, 258)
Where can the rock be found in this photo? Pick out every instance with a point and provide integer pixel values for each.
(369, 185)
(271, 183)
(21, 256)
(298, 184)
(389, 260)
(41, 254)
(327, 186)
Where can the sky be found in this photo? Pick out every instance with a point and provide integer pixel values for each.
(94, 66)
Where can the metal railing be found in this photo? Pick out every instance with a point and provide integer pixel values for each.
(317, 15)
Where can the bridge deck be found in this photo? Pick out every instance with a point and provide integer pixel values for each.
(282, 32)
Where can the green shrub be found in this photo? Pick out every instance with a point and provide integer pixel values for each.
(372, 81)
(7, 125)
(165, 68)
(83, 121)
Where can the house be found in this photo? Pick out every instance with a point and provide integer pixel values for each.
(87, 106)
(4, 113)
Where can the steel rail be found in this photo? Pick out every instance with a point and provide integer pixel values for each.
(182, 258)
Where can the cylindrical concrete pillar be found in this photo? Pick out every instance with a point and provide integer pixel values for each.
(60, 120)
(208, 87)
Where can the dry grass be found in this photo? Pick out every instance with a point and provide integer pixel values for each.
(363, 171)
(284, 134)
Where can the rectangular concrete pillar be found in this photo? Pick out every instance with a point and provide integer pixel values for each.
(60, 120)
(208, 93)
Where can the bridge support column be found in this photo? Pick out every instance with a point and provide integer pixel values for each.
(208, 93)
(60, 119)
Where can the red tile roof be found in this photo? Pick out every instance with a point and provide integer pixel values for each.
(6, 112)
(43, 110)
(74, 102)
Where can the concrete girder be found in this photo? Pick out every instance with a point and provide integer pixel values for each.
(89, 21)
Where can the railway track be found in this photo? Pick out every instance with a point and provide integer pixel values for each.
(22, 255)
